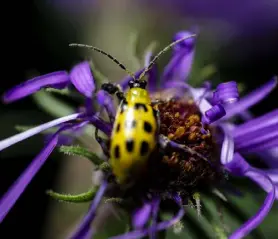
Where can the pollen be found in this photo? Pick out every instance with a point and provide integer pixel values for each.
(169, 170)
(181, 122)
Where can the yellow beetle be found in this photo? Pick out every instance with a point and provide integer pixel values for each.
(134, 133)
(135, 129)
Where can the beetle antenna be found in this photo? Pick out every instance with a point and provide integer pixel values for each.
(161, 53)
(106, 54)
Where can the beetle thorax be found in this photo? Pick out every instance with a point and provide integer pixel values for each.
(138, 95)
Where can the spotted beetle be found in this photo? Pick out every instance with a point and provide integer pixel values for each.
(135, 131)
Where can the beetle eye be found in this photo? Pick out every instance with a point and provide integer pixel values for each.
(143, 84)
(131, 84)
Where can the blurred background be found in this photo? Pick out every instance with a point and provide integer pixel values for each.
(239, 38)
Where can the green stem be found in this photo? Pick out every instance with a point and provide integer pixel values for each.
(77, 198)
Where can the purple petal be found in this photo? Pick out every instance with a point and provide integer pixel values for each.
(141, 216)
(59, 79)
(155, 210)
(84, 230)
(68, 139)
(251, 99)
(272, 174)
(238, 166)
(267, 120)
(179, 66)
(215, 113)
(203, 104)
(24, 135)
(259, 139)
(260, 148)
(101, 125)
(187, 43)
(106, 100)
(257, 219)
(226, 93)
(227, 150)
(22, 182)
(82, 78)
(267, 179)
(159, 227)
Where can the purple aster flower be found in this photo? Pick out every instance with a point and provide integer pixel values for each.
(81, 77)
(203, 141)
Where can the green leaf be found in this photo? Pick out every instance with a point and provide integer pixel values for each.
(52, 105)
(65, 91)
(114, 200)
(82, 152)
(77, 198)
(105, 167)
(220, 233)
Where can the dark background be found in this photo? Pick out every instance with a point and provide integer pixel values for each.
(32, 40)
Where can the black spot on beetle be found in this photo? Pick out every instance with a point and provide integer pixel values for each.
(148, 127)
(129, 145)
(138, 106)
(118, 127)
(117, 151)
(144, 148)
(130, 124)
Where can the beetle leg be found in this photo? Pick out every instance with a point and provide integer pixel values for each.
(113, 89)
(104, 143)
(165, 142)
(157, 117)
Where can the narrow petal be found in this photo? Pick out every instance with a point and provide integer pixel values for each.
(155, 210)
(227, 150)
(104, 99)
(31, 132)
(273, 175)
(59, 79)
(180, 65)
(101, 125)
(84, 230)
(203, 104)
(261, 148)
(141, 216)
(10, 198)
(159, 227)
(251, 99)
(256, 139)
(257, 219)
(82, 78)
(238, 166)
(267, 120)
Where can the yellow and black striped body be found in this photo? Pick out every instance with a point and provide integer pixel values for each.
(134, 134)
